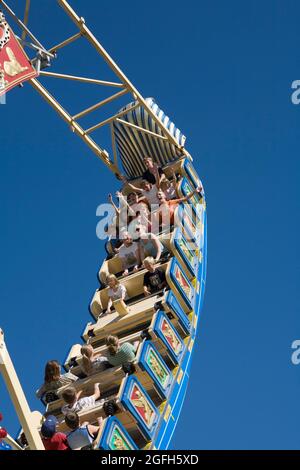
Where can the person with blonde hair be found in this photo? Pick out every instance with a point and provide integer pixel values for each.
(92, 362)
(118, 355)
(54, 379)
(154, 279)
(116, 291)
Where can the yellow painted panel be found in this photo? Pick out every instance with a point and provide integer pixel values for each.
(162, 407)
(180, 375)
(167, 413)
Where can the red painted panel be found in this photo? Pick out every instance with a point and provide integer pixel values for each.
(15, 67)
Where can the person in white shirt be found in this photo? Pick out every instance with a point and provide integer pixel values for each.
(135, 207)
(169, 189)
(77, 404)
(149, 244)
(129, 254)
(147, 190)
(116, 291)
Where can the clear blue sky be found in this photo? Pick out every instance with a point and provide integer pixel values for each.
(223, 72)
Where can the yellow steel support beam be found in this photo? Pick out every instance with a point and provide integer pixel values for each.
(108, 59)
(102, 154)
(18, 397)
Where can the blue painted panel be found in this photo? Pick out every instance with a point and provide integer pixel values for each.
(4, 446)
(192, 174)
(165, 331)
(137, 401)
(166, 429)
(115, 436)
(165, 438)
(152, 362)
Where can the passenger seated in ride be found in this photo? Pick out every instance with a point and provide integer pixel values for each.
(135, 207)
(54, 379)
(148, 191)
(119, 355)
(149, 245)
(92, 362)
(138, 213)
(53, 440)
(154, 279)
(167, 208)
(119, 222)
(82, 435)
(170, 188)
(116, 291)
(129, 254)
(154, 173)
(75, 403)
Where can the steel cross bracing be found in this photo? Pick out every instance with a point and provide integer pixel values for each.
(122, 84)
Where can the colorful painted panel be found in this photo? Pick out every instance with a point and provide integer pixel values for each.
(168, 335)
(139, 404)
(185, 253)
(177, 310)
(191, 173)
(186, 219)
(181, 283)
(115, 436)
(196, 200)
(156, 367)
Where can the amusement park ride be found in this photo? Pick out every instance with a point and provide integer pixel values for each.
(142, 403)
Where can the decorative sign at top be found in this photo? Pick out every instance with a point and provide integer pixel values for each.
(15, 66)
(4, 31)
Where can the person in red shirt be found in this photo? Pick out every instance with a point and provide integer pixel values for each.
(53, 440)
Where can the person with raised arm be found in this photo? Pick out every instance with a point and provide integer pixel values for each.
(167, 208)
(75, 403)
(148, 191)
